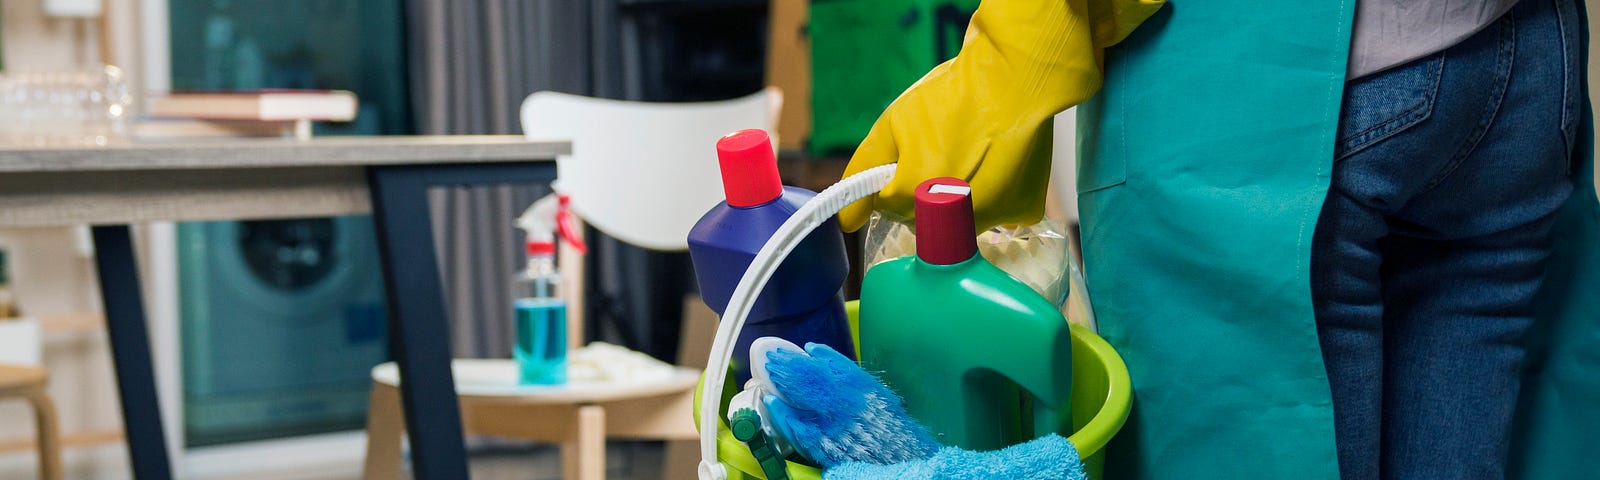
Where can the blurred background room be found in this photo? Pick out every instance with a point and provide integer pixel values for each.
(264, 330)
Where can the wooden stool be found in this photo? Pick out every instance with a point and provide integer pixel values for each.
(579, 417)
(29, 384)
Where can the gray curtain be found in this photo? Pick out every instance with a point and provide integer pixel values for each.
(479, 252)
(471, 64)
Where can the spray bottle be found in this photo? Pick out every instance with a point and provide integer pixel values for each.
(539, 313)
(981, 358)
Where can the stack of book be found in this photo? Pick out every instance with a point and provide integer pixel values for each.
(250, 113)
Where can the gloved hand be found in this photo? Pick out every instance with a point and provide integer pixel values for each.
(985, 115)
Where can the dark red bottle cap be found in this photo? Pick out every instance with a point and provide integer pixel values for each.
(944, 221)
(749, 168)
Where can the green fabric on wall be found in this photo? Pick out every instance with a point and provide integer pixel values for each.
(865, 52)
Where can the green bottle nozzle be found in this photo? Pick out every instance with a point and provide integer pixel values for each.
(746, 426)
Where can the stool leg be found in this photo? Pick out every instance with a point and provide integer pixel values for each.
(583, 455)
(49, 431)
(683, 458)
(384, 429)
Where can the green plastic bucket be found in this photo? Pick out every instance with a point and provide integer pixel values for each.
(1101, 397)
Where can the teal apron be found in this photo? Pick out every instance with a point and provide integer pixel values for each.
(1205, 161)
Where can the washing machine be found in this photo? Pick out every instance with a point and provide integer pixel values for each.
(280, 321)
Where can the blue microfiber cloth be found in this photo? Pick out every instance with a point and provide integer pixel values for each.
(842, 417)
(1045, 458)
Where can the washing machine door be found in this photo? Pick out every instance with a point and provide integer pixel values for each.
(281, 321)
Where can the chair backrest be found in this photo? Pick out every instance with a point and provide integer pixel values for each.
(643, 172)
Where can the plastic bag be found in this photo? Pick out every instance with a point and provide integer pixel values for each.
(1038, 255)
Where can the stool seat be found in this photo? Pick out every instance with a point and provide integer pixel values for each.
(494, 380)
(578, 415)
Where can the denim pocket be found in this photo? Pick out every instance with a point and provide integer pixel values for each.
(1384, 104)
(1571, 95)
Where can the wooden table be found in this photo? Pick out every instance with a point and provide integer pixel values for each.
(113, 187)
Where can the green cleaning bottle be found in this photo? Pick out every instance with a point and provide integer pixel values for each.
(981, 359)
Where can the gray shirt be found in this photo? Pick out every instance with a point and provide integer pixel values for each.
(1388, 33)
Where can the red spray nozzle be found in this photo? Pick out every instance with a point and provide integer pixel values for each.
(546, 218)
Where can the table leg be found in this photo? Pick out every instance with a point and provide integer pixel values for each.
(418, 333)
(130, 351)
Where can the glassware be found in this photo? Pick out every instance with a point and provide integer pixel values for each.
(43, 109)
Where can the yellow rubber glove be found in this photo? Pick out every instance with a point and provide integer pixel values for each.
(985, 115)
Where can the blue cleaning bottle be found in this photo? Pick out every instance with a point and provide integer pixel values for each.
(803, 302)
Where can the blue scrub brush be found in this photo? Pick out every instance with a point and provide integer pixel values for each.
(832, 411)
(838, 415)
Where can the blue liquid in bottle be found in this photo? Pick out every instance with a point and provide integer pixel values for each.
(541, 350)
(541, 323)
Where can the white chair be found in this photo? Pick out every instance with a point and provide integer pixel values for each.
(642, 173)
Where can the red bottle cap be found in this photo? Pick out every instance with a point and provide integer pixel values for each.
(540, 248)
(944, 221)
(749, 168)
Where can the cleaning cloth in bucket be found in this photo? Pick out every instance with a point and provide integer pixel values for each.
(842, 417)
(1045, 458)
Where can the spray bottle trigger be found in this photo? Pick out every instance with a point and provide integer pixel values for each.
(566, 227)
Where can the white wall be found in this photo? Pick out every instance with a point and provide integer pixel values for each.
(52, 270)
(34, 42)
(53, 277)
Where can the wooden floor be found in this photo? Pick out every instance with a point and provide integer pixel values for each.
(519, 461)
(624, 461)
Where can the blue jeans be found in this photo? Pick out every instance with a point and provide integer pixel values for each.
(1446, 180)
